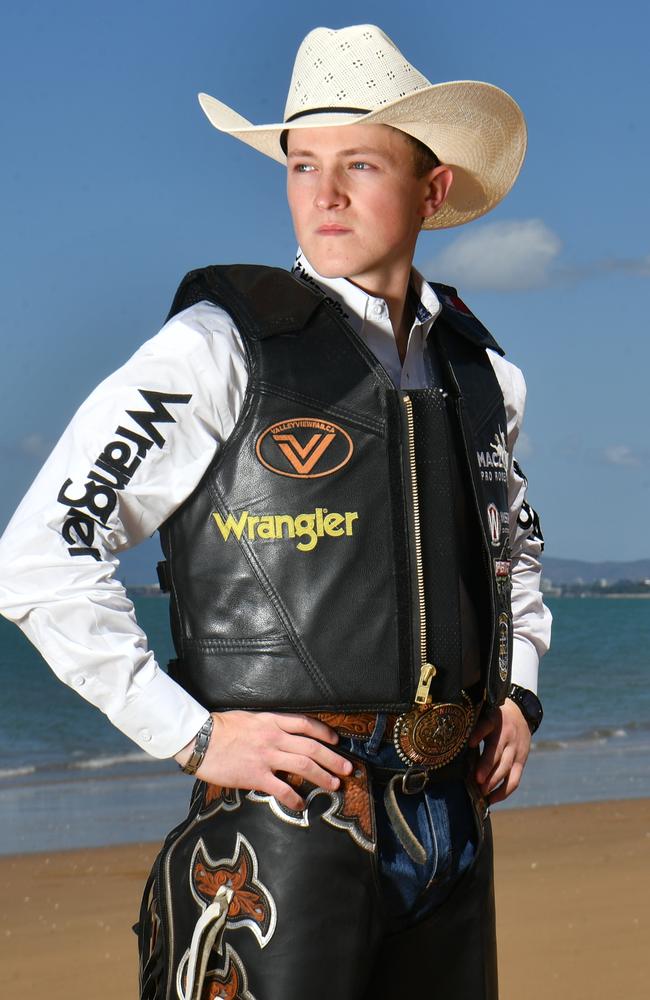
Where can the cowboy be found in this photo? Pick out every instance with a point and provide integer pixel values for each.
(353, 564)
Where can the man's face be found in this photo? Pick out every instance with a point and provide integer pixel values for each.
(356, 203)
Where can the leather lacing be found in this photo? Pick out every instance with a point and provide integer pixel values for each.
(209, 927)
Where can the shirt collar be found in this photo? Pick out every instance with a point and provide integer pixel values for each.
(356, 306)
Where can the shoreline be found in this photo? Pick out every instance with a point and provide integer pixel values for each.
(573, 908)
(601, 597)
(138, 803)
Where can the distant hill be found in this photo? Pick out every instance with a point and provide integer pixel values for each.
(139, 567)
(562, 571)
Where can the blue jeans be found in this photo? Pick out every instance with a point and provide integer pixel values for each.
(443, 819)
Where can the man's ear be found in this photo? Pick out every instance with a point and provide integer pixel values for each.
(439, 181)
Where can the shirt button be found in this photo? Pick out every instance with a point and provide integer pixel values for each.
(145, 736)
(79, 681)
(378, 309)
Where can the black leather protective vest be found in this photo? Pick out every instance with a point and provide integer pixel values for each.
(318, 564)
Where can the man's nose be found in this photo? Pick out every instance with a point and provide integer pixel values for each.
(330, 193)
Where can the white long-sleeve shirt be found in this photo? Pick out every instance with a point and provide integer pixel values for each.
(60, 552)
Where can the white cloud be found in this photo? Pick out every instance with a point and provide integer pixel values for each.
(519, 255)
(621, 454)
(504, 256)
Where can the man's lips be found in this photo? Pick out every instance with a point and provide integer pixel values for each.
(332, 230)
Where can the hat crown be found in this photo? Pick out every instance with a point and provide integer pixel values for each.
(358, 75)
(355, 67)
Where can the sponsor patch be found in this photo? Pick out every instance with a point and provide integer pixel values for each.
(501, 568)
(493, 463)
(455, 303)
(422, 313)
(494, 522)
(503, 646)
(308, 528)
(304, 448)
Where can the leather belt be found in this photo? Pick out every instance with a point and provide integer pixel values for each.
(359, 725)
(429, 736)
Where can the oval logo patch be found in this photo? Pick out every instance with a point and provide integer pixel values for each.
(304, 448)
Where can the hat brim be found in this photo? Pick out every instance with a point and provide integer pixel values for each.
(474, 127)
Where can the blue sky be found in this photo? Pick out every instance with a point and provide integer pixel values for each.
(114, 184)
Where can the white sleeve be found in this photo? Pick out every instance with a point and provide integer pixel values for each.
(531, 618)
(132, 453)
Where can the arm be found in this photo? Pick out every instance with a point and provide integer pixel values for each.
(247, 749)
(505, 732)
(130, 455)
(134, 451)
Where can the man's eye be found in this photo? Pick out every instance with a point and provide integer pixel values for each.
(361, 165)
(303, 168)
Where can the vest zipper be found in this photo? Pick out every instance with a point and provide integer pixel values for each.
(427, 670)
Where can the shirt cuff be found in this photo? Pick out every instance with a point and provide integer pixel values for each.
(162, 717)
(525, 664)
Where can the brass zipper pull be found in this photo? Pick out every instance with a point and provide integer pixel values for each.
(427, 673)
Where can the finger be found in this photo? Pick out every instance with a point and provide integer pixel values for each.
(327, 759)
(307, 726)
(500, 772)
(508, 786)
(306, 768)
(492, 753)
(284, 793)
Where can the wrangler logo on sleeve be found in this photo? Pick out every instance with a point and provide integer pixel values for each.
(304, 448)
(93, 503)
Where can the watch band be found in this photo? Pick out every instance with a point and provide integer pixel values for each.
(201, 744)
(529, 705)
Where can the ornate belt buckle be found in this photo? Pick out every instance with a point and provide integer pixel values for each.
(432, 735)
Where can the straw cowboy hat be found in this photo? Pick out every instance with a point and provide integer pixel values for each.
(357, 75)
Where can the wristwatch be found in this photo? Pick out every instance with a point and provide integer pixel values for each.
(529, 704)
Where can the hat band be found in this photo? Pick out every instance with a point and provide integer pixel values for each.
(327, 111)
(318, 111)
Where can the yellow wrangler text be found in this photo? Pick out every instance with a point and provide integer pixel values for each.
(307, 527)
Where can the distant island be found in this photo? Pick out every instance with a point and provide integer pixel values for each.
(146, 590)
(560, 578)
(578, 578)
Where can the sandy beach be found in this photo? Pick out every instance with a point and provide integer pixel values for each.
(573, 907)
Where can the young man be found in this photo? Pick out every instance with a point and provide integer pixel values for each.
(352, 561)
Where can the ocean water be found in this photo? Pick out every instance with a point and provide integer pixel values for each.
(69, 779)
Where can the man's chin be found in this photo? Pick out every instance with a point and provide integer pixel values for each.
(328, 266)
(330, 272)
